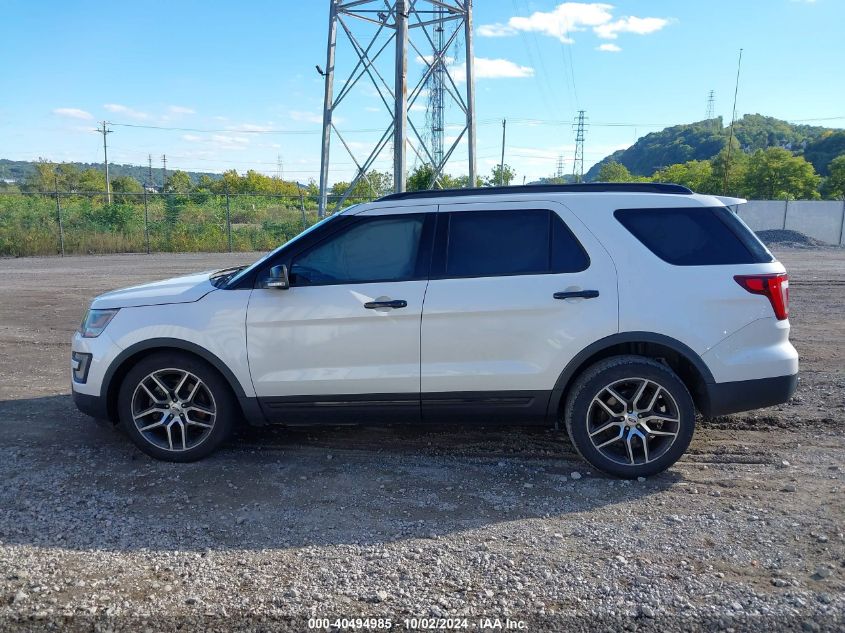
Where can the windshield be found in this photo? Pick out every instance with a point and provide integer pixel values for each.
(244, 270)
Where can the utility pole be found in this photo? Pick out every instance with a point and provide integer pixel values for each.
(580, 130)
(559, 170)
(377, 54)
(104, 130)
(502, 163)
(150, 170)
(163, 173)
(711, 105)
(733, 120)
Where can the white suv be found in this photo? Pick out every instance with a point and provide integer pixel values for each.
(616, 309)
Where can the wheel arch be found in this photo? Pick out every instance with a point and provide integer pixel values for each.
(130, 356)
(683, 360)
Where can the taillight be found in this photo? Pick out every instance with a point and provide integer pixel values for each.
(774, 286)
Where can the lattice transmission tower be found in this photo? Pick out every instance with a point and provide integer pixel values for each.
(711, 105)
(381, 39)
(580, 127)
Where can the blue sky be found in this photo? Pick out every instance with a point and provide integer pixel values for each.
(239, 78)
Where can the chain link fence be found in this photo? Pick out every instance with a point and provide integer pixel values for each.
(51, 223)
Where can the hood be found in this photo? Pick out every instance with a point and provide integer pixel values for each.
(177, 290)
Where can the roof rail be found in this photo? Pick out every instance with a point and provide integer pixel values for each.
(592, 187)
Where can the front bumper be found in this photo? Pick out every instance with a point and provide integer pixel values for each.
(722, 398)
(95, 406)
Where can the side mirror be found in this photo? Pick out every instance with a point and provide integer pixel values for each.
(278, 278)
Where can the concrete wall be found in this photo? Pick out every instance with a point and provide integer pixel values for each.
(821, 219)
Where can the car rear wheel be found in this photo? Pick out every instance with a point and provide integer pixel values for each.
(630, 416)
(176, 407)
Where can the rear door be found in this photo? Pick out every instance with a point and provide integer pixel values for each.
(517, 289)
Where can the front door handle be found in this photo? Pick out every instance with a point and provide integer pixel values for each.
(577, 294)
(393, 303)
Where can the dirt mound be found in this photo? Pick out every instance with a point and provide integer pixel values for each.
(785, 237)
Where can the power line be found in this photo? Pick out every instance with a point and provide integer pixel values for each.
(232, 130)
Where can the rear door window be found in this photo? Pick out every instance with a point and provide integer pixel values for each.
(695, 236)
(511, 242)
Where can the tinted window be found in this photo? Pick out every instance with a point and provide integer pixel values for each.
(694, 236)
(519, 242)
(568, 256)
(375, 249)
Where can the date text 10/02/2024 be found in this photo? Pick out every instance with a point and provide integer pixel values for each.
(425, 624)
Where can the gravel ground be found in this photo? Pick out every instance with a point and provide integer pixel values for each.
(745, 532)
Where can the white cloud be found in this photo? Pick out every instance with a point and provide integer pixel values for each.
(306, 117)
(608, 48)
(126, 111)
(494, 68)
(191, 138)
(73, 113)
(175, 109)
(230, 142)
(570, 17)
(559, 22)
(631, 24)
(485, 68)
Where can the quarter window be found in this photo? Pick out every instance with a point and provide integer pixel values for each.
(695, 236)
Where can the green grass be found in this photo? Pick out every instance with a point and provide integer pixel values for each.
(176, 223)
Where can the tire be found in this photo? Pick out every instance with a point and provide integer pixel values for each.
(650, 413)
(176, 407)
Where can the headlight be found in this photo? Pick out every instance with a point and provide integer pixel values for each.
(95, 322)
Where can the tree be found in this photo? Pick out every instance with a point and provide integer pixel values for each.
(614, 172)
(125, 185)
(420, 179)
(696, 174)
(736, 170)
(500, 176)
(92, 180)
(775, 174)
(834, 184)
(178, 182)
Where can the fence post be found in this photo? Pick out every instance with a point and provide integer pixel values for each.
(59, 218)
(302, 207)
(228, 220)
(785, 211)
(842, 223)
(146, 222)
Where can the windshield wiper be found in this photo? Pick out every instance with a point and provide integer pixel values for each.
(220, 277)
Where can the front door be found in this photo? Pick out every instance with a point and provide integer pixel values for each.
(344, 339)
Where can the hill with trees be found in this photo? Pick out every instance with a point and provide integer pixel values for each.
(23, 170)
(704, 140)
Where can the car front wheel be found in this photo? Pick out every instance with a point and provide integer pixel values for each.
(630, 416)
(176, 407)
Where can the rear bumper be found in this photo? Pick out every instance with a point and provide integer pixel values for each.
(95, 406)
(722, 398)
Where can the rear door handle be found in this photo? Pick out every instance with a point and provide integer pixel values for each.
(577, 294)
(393, 303)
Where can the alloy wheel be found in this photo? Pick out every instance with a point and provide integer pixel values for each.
(633, 421)
(173, 409)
